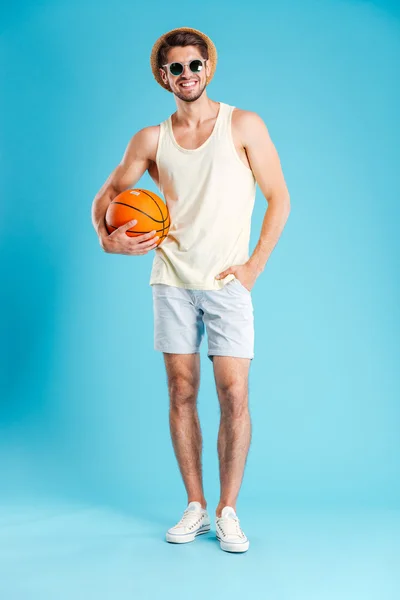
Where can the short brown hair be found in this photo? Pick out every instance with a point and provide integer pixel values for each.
(180, 38)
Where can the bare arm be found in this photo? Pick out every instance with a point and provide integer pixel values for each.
(266, 166)
(136, 160)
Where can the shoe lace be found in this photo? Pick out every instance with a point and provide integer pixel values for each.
(230, 526)
(188, 517)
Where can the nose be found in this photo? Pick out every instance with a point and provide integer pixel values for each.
(186, 71)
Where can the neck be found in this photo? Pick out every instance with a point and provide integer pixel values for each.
(192, 113)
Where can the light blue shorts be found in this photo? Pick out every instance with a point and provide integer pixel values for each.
(181, 315)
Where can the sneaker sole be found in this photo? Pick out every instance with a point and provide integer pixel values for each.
(232, 547)
(183, 538)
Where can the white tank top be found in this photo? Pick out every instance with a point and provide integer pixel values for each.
(210, 196)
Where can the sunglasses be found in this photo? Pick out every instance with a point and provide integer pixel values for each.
(176, 68)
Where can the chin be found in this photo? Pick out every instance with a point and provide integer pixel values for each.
(189, 99)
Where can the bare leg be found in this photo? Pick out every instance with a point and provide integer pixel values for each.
(183, 372)
(231, 377)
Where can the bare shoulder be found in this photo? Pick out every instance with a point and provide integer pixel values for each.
(248, 124)
(144, 142)
(245, 116)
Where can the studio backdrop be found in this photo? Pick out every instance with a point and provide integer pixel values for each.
(84, 409)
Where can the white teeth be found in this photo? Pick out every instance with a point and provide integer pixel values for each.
(191, 84)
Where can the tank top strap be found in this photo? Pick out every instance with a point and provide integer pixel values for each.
(226, 113)
(163, 128)
(224, 120)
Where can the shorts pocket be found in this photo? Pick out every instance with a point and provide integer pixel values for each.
(240, 284)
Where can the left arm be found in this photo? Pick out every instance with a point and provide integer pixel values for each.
(265, 164)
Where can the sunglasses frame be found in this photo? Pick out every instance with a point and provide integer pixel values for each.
(176, 62)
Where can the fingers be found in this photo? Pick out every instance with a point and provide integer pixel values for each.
(135, 244)
(123, 228)
(137, 239)
(140, 239)
(126, 226)
(149, 242)
(136, 251)
(144, 247)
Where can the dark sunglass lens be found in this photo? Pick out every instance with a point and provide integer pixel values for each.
(176, 68)
(196, 66)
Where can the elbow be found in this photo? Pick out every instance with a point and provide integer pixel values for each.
(287, 205)
(287, 200)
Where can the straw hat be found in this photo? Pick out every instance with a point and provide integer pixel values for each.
(212, 54)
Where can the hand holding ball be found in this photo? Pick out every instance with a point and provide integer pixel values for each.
(150, 212)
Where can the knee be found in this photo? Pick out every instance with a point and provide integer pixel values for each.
(182, 393)
(233, 400)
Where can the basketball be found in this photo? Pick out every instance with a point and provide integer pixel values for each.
(146, 207)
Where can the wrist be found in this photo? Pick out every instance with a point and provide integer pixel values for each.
(255, 266)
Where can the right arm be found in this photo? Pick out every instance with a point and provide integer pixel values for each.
(137, 158)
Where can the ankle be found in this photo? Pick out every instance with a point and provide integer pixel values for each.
(221, 505)
(201, 500)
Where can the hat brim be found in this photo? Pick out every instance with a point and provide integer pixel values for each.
(212, 54)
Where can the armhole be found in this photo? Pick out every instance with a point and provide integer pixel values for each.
(160, 137)
(232, 143)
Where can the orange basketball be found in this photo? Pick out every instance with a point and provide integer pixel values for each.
(146, 207)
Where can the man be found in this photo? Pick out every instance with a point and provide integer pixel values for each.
(206, 159)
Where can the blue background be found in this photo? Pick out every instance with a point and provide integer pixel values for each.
(89, 481)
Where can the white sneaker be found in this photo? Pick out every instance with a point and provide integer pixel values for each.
(195, 521)
(229, 533)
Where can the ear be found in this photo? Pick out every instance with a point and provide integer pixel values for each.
(208, 68)
(163, 76)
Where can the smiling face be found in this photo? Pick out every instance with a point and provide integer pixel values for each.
(188, 86)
